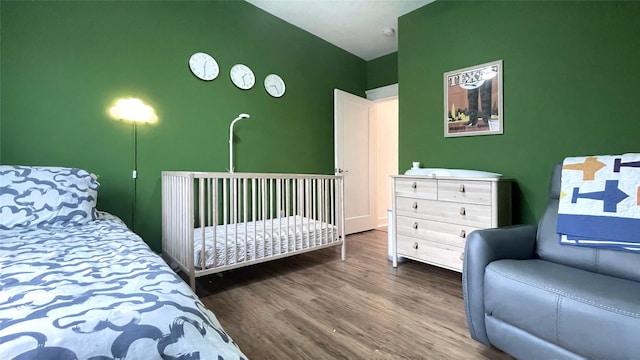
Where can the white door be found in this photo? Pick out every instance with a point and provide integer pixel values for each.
(353, 149)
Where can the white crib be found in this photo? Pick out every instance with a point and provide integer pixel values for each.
(213, 222)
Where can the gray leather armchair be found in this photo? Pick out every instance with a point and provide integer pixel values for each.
(533, 298)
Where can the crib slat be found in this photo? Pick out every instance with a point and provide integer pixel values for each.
(201, 207)
(309, 208)
(234, 211)
(321, 212)
(325, 206)
(334, 203)
(214, 218)
(298, 224)
(245, 218)
(264, 215)
(291, 246)
(274, 241)
(225, 220)
(254, 217)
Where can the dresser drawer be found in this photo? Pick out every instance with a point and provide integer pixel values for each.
(435, 231)
(466, 191)
(456, 213)
(417, 188)
(449, 257)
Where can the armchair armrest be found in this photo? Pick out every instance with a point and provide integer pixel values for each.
(483, 247)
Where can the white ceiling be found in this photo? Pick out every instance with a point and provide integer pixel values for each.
(356, 26)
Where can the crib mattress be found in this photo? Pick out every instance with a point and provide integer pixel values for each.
(246, 241)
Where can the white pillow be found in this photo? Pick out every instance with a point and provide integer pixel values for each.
(37, 196)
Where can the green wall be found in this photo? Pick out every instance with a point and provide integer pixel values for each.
(382, 71)
(570, 86)
(64, 63)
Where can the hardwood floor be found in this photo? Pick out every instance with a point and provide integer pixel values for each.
(315, 306)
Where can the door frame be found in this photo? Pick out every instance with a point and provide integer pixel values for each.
(378, 95)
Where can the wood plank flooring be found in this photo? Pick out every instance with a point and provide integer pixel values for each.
(315, 306)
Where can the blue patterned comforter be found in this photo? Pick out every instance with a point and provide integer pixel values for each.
(96, 291)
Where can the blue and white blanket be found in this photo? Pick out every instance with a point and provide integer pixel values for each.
(96, 291)
(600, 202)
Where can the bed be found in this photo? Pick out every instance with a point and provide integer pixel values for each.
(78, 284)
(214, 222)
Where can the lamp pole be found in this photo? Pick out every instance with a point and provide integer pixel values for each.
(134, 175)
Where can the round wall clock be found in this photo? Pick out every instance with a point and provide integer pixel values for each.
(274, 85)
(242, 76)
(204, 66)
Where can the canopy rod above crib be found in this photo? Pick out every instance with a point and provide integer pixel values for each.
(240, 117)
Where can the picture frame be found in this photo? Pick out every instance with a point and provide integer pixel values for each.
(473, 100)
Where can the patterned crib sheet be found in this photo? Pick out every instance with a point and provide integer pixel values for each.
(96, 291)
(290, 233)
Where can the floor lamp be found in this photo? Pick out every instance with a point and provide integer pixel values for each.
(240, 117)
(136, 111)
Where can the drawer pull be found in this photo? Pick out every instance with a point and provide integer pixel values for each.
(415, 205)
(414, 185)
(415, 245)
(462, 255)
(463, 211)
(461, 189)
(463, 234)
(415, 226)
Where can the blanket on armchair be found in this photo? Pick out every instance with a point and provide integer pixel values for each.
(600, 202)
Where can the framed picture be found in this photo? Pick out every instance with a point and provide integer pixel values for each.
(473, 100)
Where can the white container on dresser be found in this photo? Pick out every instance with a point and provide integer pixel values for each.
(433, 215)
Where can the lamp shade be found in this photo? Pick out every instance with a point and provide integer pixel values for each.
(133, 109)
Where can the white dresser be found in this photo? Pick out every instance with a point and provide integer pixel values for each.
(434, 215)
